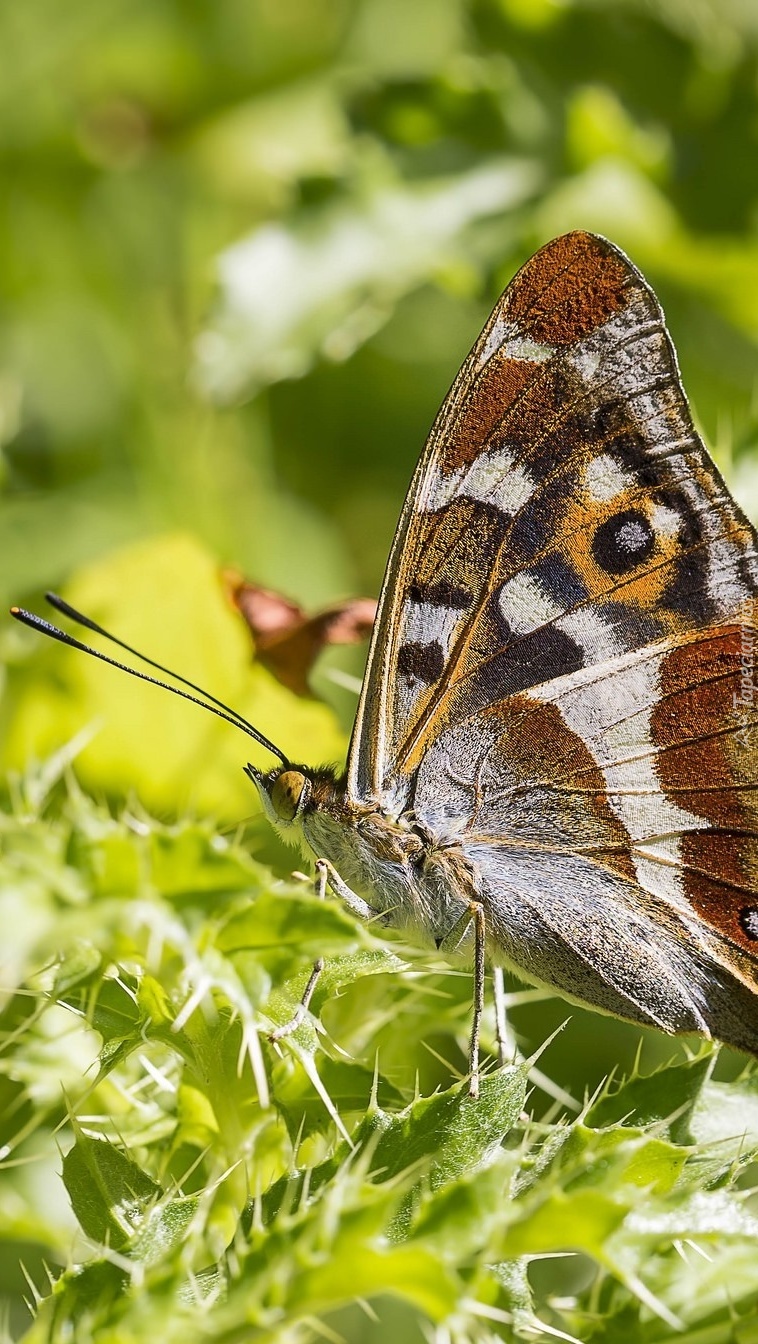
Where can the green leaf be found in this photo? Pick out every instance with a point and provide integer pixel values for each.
(113, 1008)
(666, 1097)
(343, 969)
(79, 965)
(407, 1271)
(164, 1230)
(279, 926)
(85, 1294)
(192, 862)
(439, 1137)
(348, 1085)
(707, 1216)
(109, 1193)
(111, 861)
(456, 1219)
(615, 1156)
(583, 1220)
(457, 1131)
(725, 1118)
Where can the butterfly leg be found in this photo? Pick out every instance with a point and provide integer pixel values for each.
(476, 1022)
(287, 1028)
(326, 875)
(451, 941)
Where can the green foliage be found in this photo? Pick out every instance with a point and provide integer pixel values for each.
(245, 247)
(218, 1185)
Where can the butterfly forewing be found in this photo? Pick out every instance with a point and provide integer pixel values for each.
(562, 673)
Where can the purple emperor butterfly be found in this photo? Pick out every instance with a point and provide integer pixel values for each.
(554, 765)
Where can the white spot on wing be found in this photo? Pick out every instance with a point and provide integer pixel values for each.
(494, 478)
(726, 588)
(505, 340)
(421, 623)
(665, 522)
(586, 360)
(605, 478)
(426, 622)
(525, 605)
(632, 536)
(593, 634)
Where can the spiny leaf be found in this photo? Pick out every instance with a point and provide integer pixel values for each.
(109, 1193)
(646, 1100)
(441, 1136)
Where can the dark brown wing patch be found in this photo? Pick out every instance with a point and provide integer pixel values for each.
(568, 289)
(706, 730)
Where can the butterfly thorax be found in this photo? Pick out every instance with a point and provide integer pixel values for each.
(401, 869)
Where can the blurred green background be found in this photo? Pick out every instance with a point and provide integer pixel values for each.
(245, 247)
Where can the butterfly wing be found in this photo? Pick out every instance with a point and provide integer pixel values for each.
(563, 511)
(562, 673)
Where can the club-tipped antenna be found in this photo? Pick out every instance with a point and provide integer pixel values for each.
(215, 706)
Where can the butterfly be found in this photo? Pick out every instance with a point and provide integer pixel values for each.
(554, 763)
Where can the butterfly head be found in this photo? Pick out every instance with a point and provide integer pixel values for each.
(284, 792)
(297, 798)
(289, 794)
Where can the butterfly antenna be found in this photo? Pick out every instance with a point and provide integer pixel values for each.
(66, 609)
(215, 706)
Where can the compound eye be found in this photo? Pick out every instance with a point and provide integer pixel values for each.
(287, 794)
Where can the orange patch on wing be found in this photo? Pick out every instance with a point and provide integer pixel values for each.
(643, 587)
(568, 289)
(647, 587)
